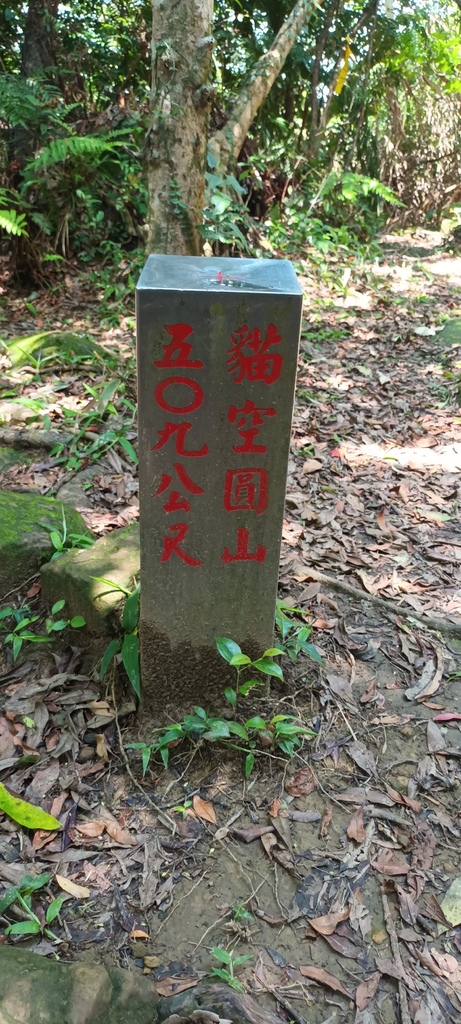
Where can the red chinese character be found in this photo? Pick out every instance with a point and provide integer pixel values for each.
(242, 554)
(180, 429)
(258, 363)
(171, 545)
(251, 419)
(194, 404)
(245, 490)
(175, 502)
(176, 353)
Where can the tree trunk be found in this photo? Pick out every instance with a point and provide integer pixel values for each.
(38, 49)
(227, 143)
(177, 138)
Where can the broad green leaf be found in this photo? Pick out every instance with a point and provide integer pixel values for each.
(240, 659)
(268, 667)
(30, 883)
(17, 644)
(55, 907)
(56, 540)
(222, 955)
(145, 757)
(26, 814)
(130, 658)
(238, 730)
(218, 730)
(192, 723)
(108, 655)
(311, 651)
(231, 696)
(107, 394)
(256, 723)
(227, 648)
(200, 712)
(23, 928)
(57, 607)
(8, 898)
(219, 972)
(128, 448)
(272, 652)
(249, 764)
(242, 959)
(131, 611)
(77, 622)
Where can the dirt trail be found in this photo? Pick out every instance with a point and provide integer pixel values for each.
(339, 906)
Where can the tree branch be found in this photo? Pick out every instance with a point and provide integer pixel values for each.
(226, 144)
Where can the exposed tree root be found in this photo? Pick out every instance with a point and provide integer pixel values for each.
(440, 625)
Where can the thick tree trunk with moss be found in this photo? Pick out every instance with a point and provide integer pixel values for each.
(176, 144)
(227, 143)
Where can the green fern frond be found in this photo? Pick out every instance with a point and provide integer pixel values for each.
(74, 145)
(13, 222)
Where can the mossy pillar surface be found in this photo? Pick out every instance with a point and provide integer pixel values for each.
(217, 354)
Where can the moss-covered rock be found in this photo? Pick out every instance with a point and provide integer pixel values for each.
(34, 990)
(54, 346)
(451, 333)
(71, 576)
(11, 457)
(25, 524)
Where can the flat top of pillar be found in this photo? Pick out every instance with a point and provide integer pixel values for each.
(218, 274)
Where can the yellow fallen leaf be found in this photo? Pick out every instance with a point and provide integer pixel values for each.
(26, 814)
(79, 891)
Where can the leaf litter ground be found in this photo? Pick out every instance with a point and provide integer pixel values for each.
(332, 871)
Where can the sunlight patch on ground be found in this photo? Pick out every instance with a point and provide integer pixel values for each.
(449, 267)
(445, 458)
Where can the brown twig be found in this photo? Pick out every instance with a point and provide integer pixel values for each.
(441, 625)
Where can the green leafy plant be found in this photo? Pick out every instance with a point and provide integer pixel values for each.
(294, 637)
(283, 733)
(21, 895)
(230, 962)
(126, 646)
(22, 632)
(63, 541)
(232, 653)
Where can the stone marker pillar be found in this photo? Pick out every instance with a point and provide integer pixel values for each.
(217, 352)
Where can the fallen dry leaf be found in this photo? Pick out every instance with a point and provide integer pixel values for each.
(204, 810)
(248, 835)
(81, 892)
(311, 466)
(302, 784)
(429, 680)
(326, 821)
(91, 829)
(326, 924)
(435, 740)
(325, 978)
(341, 688)
(385, 864)
(139, 933)
(120, 835)
(101, 748)
(367, 990)
(356, 829)
(362, 757)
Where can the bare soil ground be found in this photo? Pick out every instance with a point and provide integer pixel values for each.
(330, 871)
